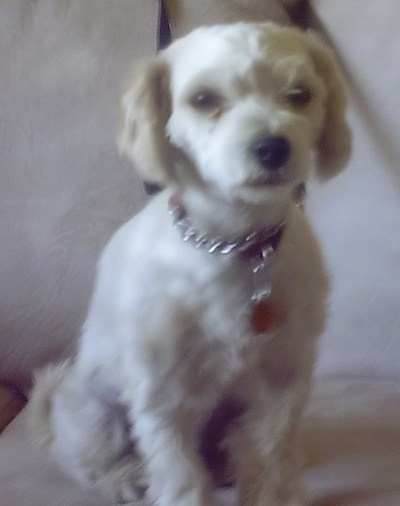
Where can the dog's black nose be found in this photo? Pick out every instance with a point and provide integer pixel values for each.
(272, 152)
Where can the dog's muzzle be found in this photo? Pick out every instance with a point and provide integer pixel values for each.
(271, 155)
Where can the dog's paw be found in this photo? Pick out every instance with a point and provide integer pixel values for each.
(123, 484)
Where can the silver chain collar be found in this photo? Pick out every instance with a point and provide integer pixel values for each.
(217, 244)
(256, 247)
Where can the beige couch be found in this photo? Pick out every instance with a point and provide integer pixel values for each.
(64, 189)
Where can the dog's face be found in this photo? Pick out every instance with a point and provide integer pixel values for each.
(244, 105)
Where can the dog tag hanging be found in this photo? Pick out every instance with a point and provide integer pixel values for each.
(255, 249)
(261, 284)
(264, 317)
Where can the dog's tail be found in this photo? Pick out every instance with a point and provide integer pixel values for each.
(40, 405)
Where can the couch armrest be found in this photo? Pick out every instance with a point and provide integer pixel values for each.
(11, 403)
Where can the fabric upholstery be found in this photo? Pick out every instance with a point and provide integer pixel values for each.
(64, 188)
(351, 436)
(357, 215)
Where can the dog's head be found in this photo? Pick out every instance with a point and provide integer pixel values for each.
(240, 107)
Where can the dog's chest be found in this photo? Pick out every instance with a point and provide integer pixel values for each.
(224, 295)
(225, 304)
(223, 309)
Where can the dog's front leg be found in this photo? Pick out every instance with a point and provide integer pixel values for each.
(168, 444)
(266, 451)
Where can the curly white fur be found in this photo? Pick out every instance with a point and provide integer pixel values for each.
(168, 335)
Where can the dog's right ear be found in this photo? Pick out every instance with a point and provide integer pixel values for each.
(146, 107)
(334, 146)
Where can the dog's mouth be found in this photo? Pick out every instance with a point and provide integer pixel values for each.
(276, 178)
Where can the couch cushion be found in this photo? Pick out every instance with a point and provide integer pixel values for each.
(64, 189)
(351, 434)
(352, 439)
(28, 475)
(357, 215)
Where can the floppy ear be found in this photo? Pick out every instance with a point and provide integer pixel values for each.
(334, 144)
(145, 111)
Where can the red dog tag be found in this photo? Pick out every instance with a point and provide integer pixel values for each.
(264, 317)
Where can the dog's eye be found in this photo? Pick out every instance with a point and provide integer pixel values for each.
(300, 96)
(206, 100)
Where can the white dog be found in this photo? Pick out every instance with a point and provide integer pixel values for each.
(208, 304)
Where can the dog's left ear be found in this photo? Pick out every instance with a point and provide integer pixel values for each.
(334, 144)
(145, 112)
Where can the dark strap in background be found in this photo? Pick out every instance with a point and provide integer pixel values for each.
(164, 29)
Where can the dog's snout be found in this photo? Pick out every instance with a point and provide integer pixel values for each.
(272, 152)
